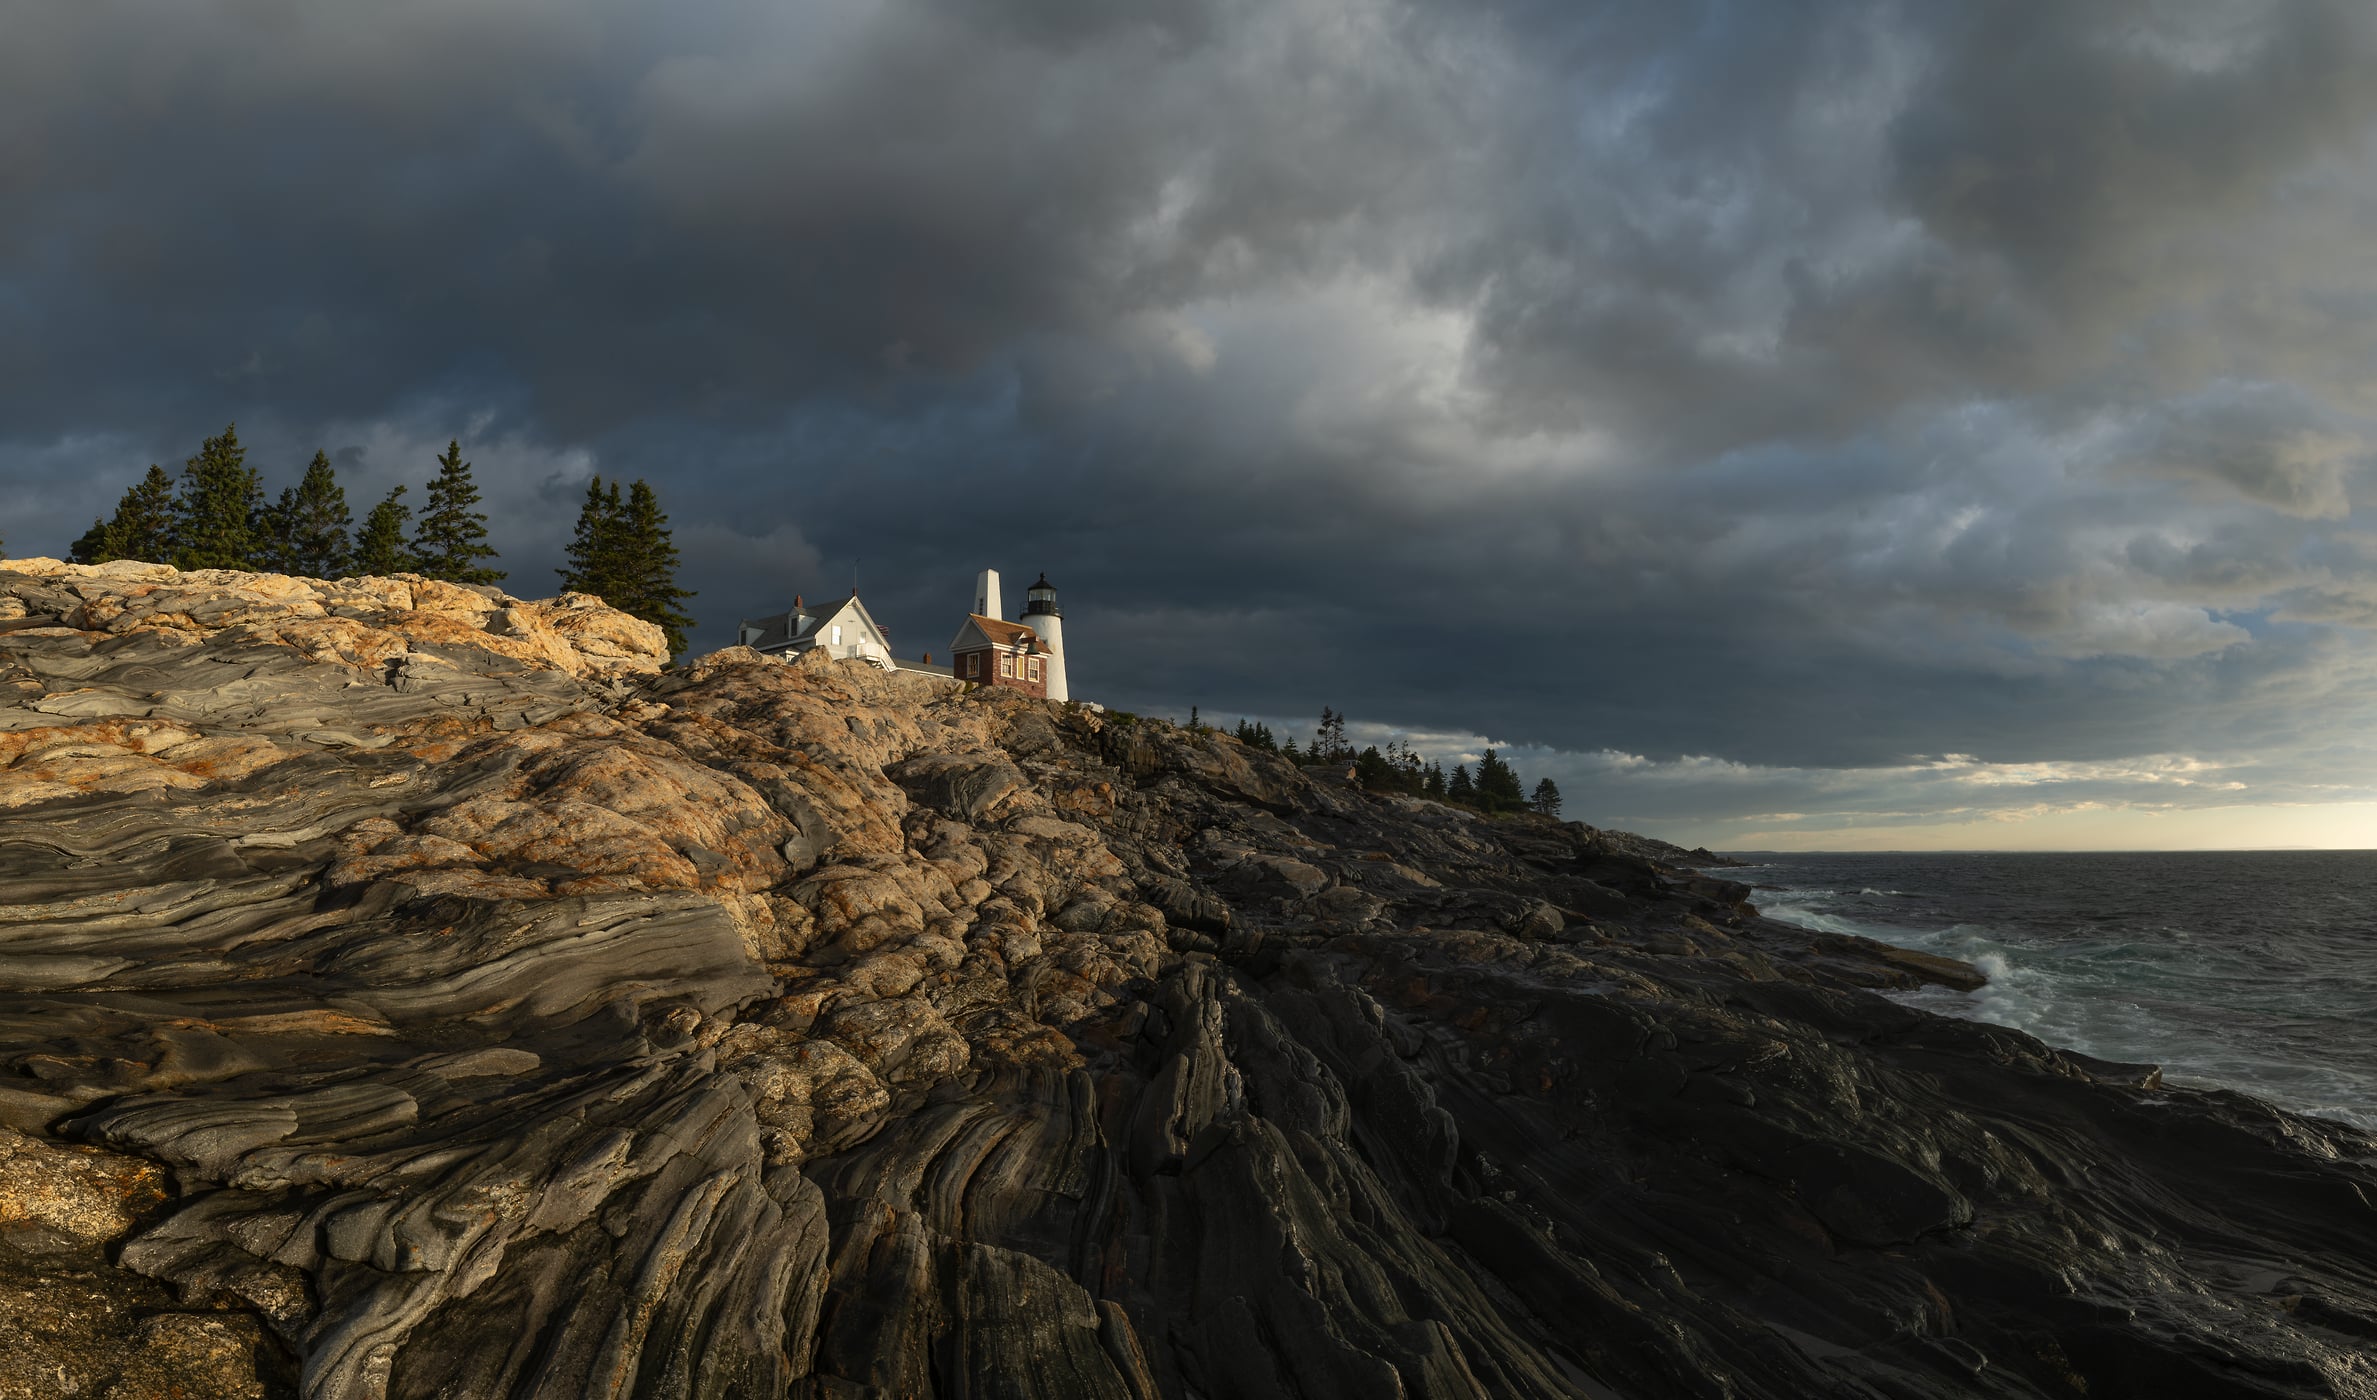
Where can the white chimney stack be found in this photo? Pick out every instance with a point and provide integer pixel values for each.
(986, 595)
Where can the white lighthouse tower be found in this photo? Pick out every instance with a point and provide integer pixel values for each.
(1041, 615)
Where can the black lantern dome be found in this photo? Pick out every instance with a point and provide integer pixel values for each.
(1040, 599)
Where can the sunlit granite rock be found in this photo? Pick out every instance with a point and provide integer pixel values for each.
(414, 991)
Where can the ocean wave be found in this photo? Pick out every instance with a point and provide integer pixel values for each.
(2108, 988)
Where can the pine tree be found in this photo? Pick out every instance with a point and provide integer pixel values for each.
(379, 545)
(221, 498)
(268, 528)
(311, 524)
(649, 562)
(1547, 798)
(142, 527)
(144, 520)
(92, 546)
(1498, 786)
(1329, 746)
(1433, 785)
(1288, 751)
(451, 537)
(1458, 788)
(597, 551)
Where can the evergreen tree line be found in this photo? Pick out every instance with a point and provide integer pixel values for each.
(216, 516)
(622, 553)
(1495, 787)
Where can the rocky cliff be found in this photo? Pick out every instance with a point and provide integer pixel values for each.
(415, 991)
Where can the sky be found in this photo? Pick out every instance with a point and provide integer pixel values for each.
(1788, 424)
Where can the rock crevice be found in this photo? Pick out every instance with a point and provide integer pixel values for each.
(414, 991)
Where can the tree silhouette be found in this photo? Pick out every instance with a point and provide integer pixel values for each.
(1328, 744)
(379, 547)
(597, 551)
(310, 524)
(622, 553)
(1498, 787)
(221, 498)
(451, 537)
(650, 566)
(142, 527)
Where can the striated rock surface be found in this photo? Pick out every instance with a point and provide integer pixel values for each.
(413, 991)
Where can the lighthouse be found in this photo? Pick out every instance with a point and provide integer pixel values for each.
(1040, 613)
(1027, 655)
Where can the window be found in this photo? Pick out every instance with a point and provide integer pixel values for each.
(837, 634)
(1035, 668)
(1007, 666)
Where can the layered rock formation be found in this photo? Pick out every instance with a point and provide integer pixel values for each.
(413, 991)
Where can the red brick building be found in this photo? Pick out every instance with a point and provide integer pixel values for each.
(991, 652)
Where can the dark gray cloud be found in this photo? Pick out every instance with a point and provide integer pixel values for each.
(1740, 408)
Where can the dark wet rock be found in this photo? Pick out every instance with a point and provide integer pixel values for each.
(432, 1001)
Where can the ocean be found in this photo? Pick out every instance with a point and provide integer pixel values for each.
(2252, 970)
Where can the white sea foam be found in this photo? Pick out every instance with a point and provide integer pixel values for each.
(2122, 998)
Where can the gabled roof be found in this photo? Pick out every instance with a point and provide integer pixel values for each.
(778, 621)
(851, 604)
(796, 623)
(992, 631)
(781, 628)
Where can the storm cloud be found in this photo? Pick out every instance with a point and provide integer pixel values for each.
(1785, 423)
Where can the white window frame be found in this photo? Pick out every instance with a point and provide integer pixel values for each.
(1007, 665)
(837, 634)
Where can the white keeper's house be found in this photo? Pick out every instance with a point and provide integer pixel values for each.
(1026, 655)
(845, 629)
